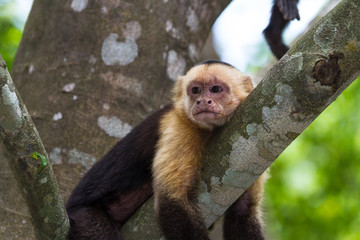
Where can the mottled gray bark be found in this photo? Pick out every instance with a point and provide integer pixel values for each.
(90, 70)
(295, 91)
(28, 158)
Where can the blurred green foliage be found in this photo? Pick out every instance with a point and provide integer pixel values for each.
(10, 32)
(314, 191)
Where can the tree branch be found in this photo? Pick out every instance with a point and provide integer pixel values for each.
(294, 92)
(28, 159)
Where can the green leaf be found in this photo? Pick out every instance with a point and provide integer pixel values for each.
(33, 155)
(44, 161)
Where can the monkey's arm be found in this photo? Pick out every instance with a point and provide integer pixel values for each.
(283, 11)
(178, 221)
(176, 173)
(243, 220)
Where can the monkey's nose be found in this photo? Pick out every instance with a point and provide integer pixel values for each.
(207, 102)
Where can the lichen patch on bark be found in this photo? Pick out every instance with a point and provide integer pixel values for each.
(113, 126)
(75, 156)
(79, 5)
(122, 53)
(176, 65)
(192, 20)
(11, 115)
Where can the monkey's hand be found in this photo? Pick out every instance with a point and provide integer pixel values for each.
(289, 9)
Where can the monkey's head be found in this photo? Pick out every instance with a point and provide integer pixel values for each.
(210, 92)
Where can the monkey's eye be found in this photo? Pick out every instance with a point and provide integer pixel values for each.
(216, 89)
(195, 90)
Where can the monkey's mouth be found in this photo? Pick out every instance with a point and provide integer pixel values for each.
(206, 114)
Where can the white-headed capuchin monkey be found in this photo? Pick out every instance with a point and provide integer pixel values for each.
(162, 155)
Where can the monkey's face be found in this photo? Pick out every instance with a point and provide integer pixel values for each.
(211, 93)
(209, 103)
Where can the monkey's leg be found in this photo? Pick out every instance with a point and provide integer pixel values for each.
(91, 224)
(243, 220)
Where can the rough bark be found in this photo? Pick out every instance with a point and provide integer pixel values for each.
(319, 66)
(36, 178)
(90, 70)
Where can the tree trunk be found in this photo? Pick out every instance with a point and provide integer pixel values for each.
(88, 71)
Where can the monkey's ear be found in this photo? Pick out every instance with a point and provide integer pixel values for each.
(178, 88)
(247, 84)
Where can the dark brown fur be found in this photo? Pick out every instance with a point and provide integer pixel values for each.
(116, 186)
(246, 214)
(178, 223)
(283, 11)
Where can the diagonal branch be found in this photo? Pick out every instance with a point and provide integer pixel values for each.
(28, 159)
(294, 92)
